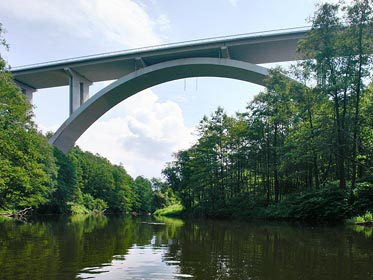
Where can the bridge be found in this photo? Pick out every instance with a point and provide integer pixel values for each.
(134, 70)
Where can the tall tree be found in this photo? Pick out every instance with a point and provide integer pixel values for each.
(324, 44)
(27, 166)
(360, 45)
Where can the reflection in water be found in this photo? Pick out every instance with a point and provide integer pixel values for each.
(142, 248)
(140, 263)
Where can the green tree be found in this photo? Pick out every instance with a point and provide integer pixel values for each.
(143, 195)
(123, 196)
(325, 45)
(359, 17)
(27, 167)
(67, 191)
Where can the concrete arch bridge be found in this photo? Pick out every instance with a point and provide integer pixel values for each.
(233, 57)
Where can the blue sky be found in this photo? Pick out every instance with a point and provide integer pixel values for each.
(143, 131)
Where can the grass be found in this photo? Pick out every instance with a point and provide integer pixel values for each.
(366, 218)
(6, 212)
(172, 210)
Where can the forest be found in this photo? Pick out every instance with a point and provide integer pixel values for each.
(35, 175)
(303, 149)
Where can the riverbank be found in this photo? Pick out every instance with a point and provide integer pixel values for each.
(321, 205)
(363, 220)
(175, 210)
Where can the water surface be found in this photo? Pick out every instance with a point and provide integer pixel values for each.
(144, 248)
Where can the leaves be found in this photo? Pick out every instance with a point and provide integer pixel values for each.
(312, 125)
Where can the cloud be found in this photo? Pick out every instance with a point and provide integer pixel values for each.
(233, 3)
(143, 138)
(164, 23)
(123, 23)
(142, 133)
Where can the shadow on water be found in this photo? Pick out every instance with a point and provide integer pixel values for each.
(88, 247)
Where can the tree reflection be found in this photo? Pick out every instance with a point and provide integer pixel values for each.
(61, 248)
(221, 250)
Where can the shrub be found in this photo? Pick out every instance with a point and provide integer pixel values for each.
(368, 216)
(328, 204)
(173, 210)
(363, 198)
(93, 204)
(76, 209)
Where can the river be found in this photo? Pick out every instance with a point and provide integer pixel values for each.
(84, 247)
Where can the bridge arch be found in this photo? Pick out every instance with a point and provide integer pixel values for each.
(143, 78)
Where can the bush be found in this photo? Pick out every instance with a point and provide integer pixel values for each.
(327, 204)
(76, 209)
(368, 216)
(245, 204)
(92, 204)
(363, 198)
(173, 210)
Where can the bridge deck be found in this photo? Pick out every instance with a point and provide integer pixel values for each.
(257, 48)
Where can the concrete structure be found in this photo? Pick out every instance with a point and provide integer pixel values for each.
(230, 57)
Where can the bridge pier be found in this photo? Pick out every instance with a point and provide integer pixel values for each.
(79, 89)
(26, 90)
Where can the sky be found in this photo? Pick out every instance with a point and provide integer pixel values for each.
(145, 130)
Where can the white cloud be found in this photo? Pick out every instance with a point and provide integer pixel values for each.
(142, 133)
(143, 138)
(123, 23)
(233, 3)
(163, 22)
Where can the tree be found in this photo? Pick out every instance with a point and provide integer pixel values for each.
(27, 167)
(67, 192)
(359, 44)
(143, 195)
(123, 195)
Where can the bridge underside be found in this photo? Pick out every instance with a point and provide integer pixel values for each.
(84, 116)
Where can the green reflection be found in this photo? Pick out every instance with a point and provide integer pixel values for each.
(59, 248)
(62, 247)
(366, 230)
(229, 250)
(169, 221)
(27, 251)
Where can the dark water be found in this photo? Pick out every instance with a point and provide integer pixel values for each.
(142, 248)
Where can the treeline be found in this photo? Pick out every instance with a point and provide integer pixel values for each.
(37, 175)
(86, 182)
(90, 182)
(304, 146)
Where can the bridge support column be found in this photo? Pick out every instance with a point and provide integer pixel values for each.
(26, 90)
(79, 89)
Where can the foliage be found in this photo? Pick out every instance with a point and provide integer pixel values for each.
(143, 196)
(367, 217)
(94, 204)
(27, 165)
(310, 128)
(172, 210)
(34, 174)
(77, 209)
(328, 203)
(303, 149)
(363, 197)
